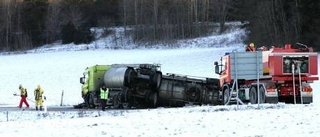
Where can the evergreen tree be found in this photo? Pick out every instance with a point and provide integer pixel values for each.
(310, 28)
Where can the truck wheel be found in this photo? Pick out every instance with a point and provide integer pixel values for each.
(130, 74)
(116, 103)
(253, 95)
(126, 105)
(125, 95)
(215, 98)
(194, 94)
(226, 94)
(125, 98)
(262, 95)
(89, 101)
(155, 80)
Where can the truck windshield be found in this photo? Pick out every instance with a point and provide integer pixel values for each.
(85, 77)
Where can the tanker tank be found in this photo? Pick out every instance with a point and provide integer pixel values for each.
(119, 77)
(177, 91)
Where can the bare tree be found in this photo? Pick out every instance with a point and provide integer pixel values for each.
(72, 14)
(297, 20)
(53, 21)
(155, 18)
(220, 9)
(124, 6)
(10, 29)
(6, 20)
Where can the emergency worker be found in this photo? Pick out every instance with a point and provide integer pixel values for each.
(38, 93)
(24, 95)
(264, 48)
(104, 96)
(250, 47)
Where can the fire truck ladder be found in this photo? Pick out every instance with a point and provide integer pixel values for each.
(236, 92)
(294, 83)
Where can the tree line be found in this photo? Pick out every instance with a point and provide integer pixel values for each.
(27, 24)
(277, 22)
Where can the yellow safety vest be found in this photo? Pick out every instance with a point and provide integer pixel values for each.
(23, 92)
(104, 94)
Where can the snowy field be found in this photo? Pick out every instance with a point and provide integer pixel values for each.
(60, 71)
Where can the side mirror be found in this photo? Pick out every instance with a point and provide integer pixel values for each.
(82, 80)
(216, 67)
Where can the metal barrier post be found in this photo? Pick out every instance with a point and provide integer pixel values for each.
(61, 102)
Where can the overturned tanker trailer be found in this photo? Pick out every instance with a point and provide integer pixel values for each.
(128, 84)
(144, 86)
(179, 90)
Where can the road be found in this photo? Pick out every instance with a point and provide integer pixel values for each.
(12, 113)
(49, 108)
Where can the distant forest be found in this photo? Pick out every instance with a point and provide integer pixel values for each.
(27, 24)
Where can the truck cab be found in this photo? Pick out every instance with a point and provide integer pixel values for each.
(91, 81)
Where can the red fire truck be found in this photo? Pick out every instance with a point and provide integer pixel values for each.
(268, 76)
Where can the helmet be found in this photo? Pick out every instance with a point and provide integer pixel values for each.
(20, 86)
(251, 45)
(38, 86)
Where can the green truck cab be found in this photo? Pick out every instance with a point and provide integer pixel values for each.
(91, 82)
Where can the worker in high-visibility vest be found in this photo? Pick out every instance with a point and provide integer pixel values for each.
(24, 95)
(104, 96)
(38, 93)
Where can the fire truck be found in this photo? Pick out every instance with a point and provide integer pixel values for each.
(268, 76)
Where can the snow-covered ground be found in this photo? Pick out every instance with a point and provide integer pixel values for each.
(206, 121)
(60, 71)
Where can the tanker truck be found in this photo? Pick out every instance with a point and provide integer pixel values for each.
(144, 86)
(128, 84)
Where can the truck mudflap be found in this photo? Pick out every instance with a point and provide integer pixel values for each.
(306, 100)
(272, 99)
(290, 99)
